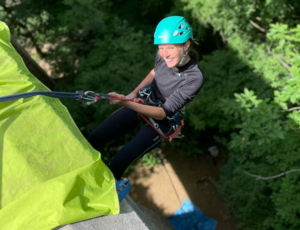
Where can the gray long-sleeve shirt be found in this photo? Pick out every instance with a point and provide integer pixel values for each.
(175, 86)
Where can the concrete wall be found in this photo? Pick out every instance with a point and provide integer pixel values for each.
(130, 218)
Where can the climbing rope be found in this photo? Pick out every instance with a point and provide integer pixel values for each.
(139, 100)
(162, 159)
(88, 98)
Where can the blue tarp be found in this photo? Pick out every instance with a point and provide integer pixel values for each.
(191, 217)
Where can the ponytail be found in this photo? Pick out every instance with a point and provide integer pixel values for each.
(193, 53)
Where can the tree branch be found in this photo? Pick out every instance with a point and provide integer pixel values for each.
(294, 108)
(282, 62)
(259, 177)
(223, 37)
(296, 51)
(257, 26)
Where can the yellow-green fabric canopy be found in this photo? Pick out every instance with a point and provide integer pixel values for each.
(49, 174)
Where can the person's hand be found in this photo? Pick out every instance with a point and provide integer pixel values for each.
(116, 95)
(132, 95)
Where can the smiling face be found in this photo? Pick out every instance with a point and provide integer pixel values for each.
(172, 53)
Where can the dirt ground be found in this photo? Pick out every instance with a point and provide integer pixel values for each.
(152, 187)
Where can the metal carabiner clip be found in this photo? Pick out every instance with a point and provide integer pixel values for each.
(90, 99)
(85, 98)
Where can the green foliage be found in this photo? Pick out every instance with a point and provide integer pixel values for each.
(151, 159)
(224, 75)
(266, 144)
(267, 141)
(110, 65)
(252, 91)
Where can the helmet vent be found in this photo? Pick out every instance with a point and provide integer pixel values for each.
(187, 28)
(182, 25)
(175, 33)
(181, 33)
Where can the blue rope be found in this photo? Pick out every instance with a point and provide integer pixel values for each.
(87, 97)
(44, 93)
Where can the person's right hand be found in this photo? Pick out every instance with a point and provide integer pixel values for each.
(132, 95)
(116, 95)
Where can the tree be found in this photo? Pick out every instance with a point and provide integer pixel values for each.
(251, 92)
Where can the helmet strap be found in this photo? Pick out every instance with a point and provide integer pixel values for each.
(183, 54)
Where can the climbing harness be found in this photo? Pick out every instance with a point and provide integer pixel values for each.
(90, 97)
(176, 121)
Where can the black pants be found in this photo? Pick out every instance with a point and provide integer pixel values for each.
(119, 123)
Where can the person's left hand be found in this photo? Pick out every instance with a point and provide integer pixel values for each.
(116, 95)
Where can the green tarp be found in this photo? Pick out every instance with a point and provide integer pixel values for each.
(49, 174)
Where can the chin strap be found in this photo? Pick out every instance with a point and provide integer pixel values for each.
(183, 55)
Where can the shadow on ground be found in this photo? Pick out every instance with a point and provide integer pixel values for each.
(153, 188)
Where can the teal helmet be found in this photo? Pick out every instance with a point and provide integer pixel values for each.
(172, 30)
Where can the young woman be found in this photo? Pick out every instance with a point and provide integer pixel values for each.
(175, 80)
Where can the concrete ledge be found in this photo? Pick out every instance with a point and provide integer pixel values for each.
(158, 221)
(130, 218)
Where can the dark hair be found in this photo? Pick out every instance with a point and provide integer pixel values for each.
(193, 53)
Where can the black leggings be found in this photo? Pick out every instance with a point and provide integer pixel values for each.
(119, 123)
